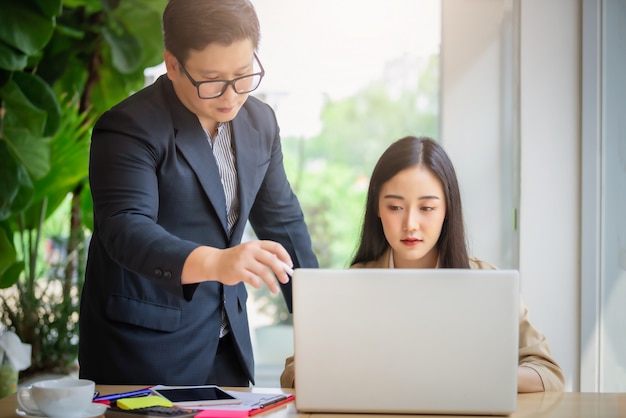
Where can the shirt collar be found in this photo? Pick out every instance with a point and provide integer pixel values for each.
(218, 131)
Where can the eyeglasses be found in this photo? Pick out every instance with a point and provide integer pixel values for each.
(212, 89)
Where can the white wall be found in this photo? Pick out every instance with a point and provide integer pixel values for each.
(550, 172)
(471, 124)
(476, 101)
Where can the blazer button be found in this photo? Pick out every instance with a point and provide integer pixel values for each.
(158, 272)
(167, 274)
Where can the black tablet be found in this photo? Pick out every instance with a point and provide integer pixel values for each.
(196, 395)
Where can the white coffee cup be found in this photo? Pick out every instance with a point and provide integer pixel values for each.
(57, 398)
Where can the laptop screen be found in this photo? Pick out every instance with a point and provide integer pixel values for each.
(406, 341)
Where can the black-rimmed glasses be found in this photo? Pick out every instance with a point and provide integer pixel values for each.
(212, 89)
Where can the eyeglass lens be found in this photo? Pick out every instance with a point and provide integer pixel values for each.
(242, 85)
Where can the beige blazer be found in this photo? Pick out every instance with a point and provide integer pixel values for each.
(534, 351)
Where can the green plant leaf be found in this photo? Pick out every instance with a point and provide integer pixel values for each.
(143, 20)
(114, 87)
(24, 27)
(11, 274)
(25, 122)
(90, 5)
(69, 162)
(16, 189)
(31, 217)
(25, 191)
(63, 64)
(31, 151)
(20, 113)
(8, 256)
(12, 59)
(40, 94)
(5, 77)
(125, 48)
(50, 8)
(9, 174)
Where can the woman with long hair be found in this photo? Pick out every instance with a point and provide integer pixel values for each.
(414, 219)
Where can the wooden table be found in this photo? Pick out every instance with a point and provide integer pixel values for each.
(536, 405)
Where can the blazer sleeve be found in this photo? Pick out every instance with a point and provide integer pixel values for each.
(124, 182)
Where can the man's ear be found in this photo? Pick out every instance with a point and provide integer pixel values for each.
(172, 65)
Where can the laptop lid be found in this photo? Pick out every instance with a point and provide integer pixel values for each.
(441, 341)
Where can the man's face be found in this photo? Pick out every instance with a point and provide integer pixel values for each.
(215, 62)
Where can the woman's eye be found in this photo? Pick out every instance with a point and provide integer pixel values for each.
(427, 208)
(395, 208)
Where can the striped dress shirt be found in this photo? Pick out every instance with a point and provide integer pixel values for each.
(225, 158)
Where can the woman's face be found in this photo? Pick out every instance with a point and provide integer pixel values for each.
(412, 208)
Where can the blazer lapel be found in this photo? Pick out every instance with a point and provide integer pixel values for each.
(192, 142)
(245, 143)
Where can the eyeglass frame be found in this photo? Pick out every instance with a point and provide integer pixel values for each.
(227, 83)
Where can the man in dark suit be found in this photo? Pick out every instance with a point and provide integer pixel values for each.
(176, 170)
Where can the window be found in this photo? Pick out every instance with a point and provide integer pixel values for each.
(345, 79)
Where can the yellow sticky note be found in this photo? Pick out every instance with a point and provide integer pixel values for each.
(142, 402)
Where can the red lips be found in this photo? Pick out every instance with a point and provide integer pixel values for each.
(411, 241)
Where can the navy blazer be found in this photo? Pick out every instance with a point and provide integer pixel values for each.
(157, 196)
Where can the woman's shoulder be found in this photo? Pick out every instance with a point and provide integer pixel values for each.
(478, 264)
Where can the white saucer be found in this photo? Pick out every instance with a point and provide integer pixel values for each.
(93, 411)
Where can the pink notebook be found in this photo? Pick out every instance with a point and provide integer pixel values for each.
(236, 411)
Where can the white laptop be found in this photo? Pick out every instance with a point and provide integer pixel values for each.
(441, 341)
